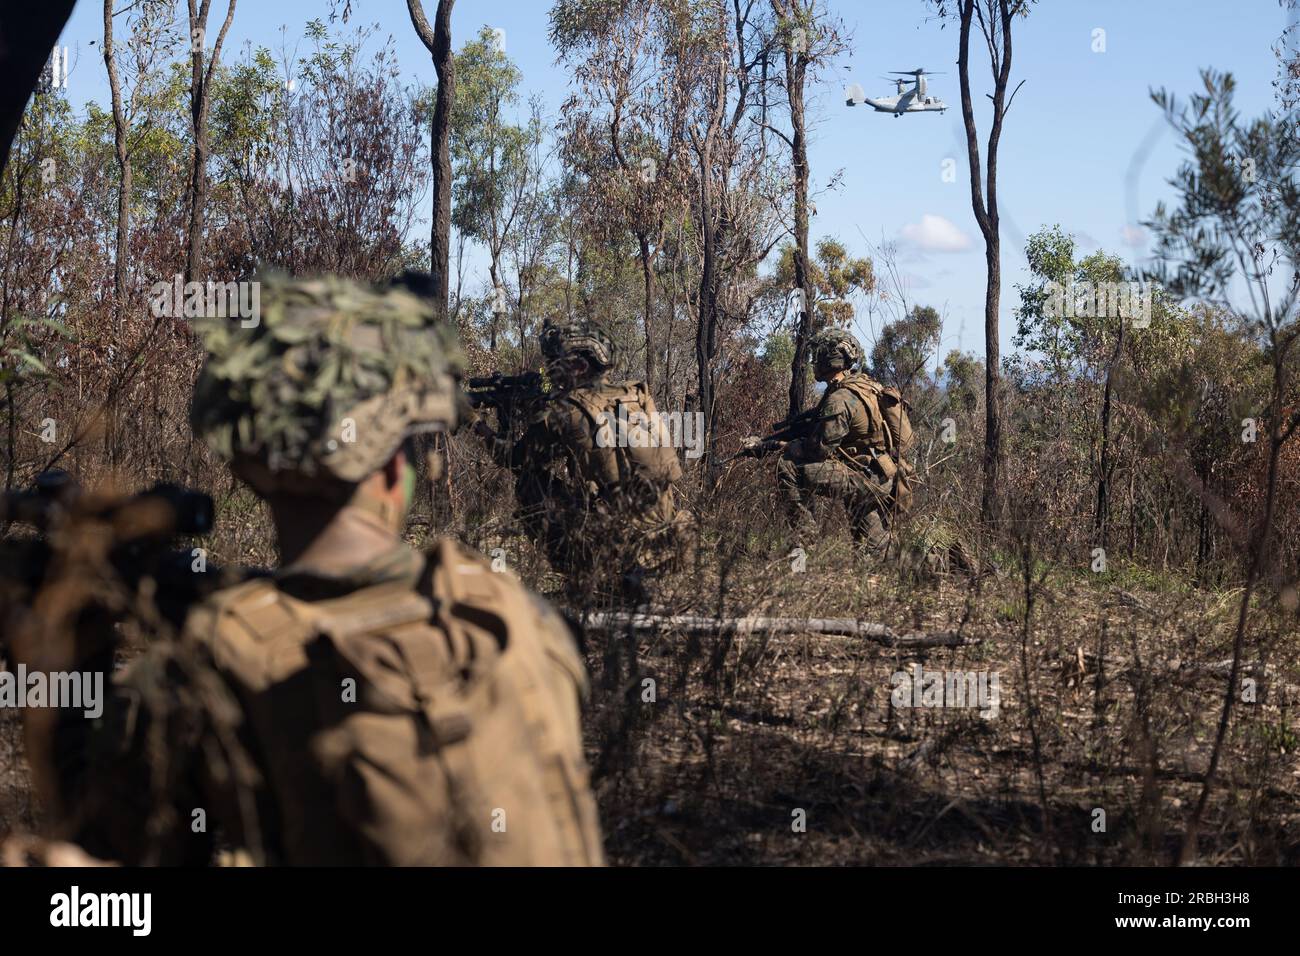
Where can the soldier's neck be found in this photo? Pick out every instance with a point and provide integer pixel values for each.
(337, 544)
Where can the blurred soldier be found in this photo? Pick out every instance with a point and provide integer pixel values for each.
(595, 469)
(853, 451)
(365, 703)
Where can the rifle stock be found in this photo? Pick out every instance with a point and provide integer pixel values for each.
(133, 535)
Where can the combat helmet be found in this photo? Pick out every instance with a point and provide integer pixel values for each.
(579, 336)
(326, 385)
(835, 349)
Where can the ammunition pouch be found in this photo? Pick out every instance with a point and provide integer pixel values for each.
(896, 474)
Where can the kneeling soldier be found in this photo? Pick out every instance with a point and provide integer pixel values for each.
(850, 453)
(595, 470)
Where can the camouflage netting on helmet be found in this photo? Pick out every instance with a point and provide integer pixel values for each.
(579, 335)
(327, 385)
(836, 348)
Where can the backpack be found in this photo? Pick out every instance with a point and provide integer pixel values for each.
(897, 425)
(400, 726)
(899, 439)
(629, 434)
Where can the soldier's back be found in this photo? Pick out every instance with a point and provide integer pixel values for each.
(427, 720)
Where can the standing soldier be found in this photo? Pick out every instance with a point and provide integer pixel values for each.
(595, 469)
(854, 451)
(365, 703)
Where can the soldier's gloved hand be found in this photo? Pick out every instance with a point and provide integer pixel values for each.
(484, 430)
(750, 441)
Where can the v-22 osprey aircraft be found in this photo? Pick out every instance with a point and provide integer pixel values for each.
(914, 100)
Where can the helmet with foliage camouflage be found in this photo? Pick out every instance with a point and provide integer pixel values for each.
(834, 348)
(568, 337)
(327, 385)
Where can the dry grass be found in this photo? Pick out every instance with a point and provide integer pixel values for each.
(719, 763)
(745, 730)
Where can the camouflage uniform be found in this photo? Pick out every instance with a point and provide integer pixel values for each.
(839, 459)
(598, 507)
(413, 709)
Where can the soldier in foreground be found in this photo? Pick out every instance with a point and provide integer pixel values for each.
(364, 704)
(853, 449)
(595, 470)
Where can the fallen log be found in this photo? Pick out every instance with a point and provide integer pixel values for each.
(832, 626)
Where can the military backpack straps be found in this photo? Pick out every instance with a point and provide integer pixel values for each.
(404, 727)
(894, 416)
(626, 423)
(894, 412)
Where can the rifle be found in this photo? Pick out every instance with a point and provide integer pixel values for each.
(787, 430)
(130, 535)
(506, 393)
(55, 494)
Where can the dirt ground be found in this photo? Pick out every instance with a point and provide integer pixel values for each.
(787, 749)
(746, 734)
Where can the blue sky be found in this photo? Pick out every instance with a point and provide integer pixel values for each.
(1072, 149)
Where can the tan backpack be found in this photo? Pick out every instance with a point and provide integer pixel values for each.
(897, 423)
(627, 429)
(404, 728)
(894, 413)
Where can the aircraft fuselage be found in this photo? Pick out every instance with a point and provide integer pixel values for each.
(907, 103)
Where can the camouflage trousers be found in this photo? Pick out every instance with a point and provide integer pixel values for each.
(866, 496)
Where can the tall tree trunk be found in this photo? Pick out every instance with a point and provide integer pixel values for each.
(200, 97)
(122, 249)
(1102, 518)
(706, 329)
(437, 40)
(498, 293)
(992, 383)
(986, 214)
(120, 131)
(796, 64)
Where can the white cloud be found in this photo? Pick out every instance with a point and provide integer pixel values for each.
(935, 234)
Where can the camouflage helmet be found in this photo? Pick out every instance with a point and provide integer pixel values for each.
(567, 337)
(327, 384)
(837, 349)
